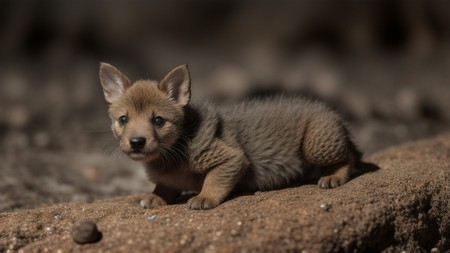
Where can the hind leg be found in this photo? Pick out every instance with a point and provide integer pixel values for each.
(327, 145)
(338, 177)
(339, 174)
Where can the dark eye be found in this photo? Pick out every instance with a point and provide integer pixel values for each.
(123, 120)
(158, 121)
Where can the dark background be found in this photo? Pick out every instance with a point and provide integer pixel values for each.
(385, 65)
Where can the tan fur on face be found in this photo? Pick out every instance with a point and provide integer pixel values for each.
(141, 103)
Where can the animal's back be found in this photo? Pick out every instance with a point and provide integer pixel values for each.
(271, 132)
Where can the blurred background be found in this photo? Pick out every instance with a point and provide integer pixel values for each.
(385, 65)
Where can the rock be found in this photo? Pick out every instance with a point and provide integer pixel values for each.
(377, 211)
(324, 206)
(85, 232)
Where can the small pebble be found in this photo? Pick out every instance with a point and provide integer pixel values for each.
(85, 232)
(49, 229)
(152, 217)
(58, 217)
(434, 250)
(325, 206)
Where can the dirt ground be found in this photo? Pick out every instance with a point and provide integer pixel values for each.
(402, 206)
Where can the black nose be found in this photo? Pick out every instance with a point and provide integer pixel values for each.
(137, 143)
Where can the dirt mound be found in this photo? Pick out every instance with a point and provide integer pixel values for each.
(405, 205)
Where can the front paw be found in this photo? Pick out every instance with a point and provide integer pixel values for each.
(153, 201)
(202, 203)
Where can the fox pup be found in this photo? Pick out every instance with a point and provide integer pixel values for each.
(257, 145)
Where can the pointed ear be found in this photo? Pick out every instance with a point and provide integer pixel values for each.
(113, 81)
(177, 85)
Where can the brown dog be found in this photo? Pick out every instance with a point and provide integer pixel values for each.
(258, 145)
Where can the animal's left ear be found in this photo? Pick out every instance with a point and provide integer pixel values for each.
(177, 85)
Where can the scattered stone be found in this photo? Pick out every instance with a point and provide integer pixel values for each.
(85, 232)
(234, 232)
(58, 217)
(434, 250)
(325, 206)
(49, 229)
(184, 239)
(152, 217)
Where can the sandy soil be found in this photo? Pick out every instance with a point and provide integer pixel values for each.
(404, 205)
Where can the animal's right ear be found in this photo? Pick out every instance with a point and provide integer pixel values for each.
(177, 85)
(113, 81)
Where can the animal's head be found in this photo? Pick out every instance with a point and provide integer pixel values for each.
(147, 116)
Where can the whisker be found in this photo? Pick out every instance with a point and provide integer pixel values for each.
(175, 153)
(168, 158)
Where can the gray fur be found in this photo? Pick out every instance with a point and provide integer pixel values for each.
(272, 133)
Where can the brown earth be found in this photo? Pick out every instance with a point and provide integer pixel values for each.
(404, 205)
